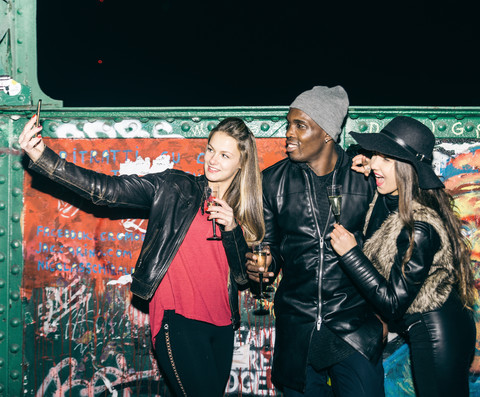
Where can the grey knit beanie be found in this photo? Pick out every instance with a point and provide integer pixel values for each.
(326, 106)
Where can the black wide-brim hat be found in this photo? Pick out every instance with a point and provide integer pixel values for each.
(405, 139)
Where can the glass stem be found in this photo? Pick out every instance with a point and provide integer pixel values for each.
(260, 281)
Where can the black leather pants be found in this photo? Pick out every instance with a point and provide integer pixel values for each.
(442, 345)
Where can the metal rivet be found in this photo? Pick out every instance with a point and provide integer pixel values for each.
(185, 127)
(433, 116)
(380, 116)
(469, 127)
(16, 244)
(275, 119)
(459, 116)
(353, 116)
(362, 126)
(52, 127)
(19, 41)
(3, 179)
(2, 231)
(210, 126)
(15, 269)
(14, 295)
(2, 259)
(196, 119)
(14, 374)
(265, 127)
(15, 217)
(16, 192)
(2, 283)
(1, 386)
(17, 165)
(15, 322)
(248, 119)
(170, 120)
(2, 309)
(2, 363)
(442, 126)
(2, 335)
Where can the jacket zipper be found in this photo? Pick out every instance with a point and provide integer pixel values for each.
(311, 189)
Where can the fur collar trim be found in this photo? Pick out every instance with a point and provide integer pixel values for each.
(381, 249)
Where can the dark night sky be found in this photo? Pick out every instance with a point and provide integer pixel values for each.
(257, 52)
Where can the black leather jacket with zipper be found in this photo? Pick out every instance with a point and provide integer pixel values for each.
(314, 290)
(172, 198)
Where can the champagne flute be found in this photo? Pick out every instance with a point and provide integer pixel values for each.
(335, 198)
(260, 251)
(211, 193)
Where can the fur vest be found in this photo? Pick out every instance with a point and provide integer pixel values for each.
(381, 249)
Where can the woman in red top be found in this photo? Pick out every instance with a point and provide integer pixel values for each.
(192, 283)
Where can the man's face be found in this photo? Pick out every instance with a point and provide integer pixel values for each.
(305, 138)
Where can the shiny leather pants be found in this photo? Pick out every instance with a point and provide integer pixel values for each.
(442, 344)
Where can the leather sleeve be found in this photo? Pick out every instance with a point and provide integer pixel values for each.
(391, 298)
(235, 249)
(127, 191)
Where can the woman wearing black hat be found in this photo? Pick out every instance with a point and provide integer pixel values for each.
(415, 266)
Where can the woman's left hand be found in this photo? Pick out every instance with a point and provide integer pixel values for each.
(361, 164)
(223, 214)
(342, 240)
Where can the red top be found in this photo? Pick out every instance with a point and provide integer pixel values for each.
(195, 285)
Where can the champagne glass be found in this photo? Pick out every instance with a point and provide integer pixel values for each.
(260, 250)
(211, 193)
(335, 198)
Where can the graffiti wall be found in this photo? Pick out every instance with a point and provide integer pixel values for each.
(85, 334)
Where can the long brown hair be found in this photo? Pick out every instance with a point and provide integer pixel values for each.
(443, 204)
(244, 194)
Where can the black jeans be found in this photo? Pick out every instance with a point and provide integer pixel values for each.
(442, 345)
(194, 357)
(354, 376)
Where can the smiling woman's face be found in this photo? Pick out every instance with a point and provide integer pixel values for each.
(222, 159)
(385, 175)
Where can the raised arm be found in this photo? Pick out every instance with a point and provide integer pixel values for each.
(125, 191)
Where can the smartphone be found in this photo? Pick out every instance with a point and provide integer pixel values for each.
(39, 106)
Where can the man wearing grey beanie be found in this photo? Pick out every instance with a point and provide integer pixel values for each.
(324, 328)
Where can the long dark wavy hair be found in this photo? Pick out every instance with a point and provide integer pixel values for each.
(442, 203)
(244, 194)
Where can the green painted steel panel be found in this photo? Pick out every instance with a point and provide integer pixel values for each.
(451, 125)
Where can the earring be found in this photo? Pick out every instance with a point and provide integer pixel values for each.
(328, 139)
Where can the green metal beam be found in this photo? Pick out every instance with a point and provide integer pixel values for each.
(18, 52)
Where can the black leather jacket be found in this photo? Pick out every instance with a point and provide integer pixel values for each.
(314, 290)
(172, 198)
(391, 298)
